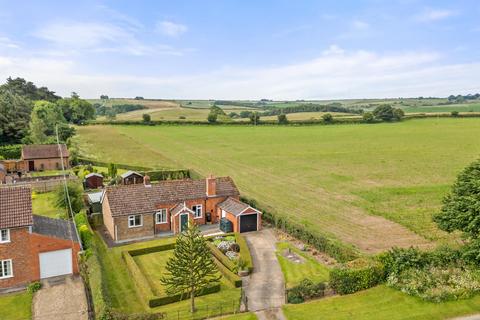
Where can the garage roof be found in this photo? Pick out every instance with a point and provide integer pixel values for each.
(57, 228)
(234, 206)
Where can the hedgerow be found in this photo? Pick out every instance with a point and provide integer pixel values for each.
(360, 275)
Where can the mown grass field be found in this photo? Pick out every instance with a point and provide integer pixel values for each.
(373, 186)
(16, 306)
(380, 303)
(294, 272)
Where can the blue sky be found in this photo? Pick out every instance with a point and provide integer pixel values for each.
(244, 49)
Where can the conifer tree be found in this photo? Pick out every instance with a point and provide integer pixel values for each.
(191, 268)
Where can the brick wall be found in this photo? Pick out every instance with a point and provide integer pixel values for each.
(18, 249)
(126, 233)
(48, 164)
(107, 217)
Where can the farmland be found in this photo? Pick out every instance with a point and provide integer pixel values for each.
(372, 186)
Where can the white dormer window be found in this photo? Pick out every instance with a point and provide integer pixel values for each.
(4, 235)
(197, 211)
(161, 216)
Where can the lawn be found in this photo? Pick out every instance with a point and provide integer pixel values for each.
(294, 272)
(122, 289)
(153, 267)
(380, 303)
(43, 205)
(241, 316)
(16, 306)
(339, 180)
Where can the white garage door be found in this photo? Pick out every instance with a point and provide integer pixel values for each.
(55, 263)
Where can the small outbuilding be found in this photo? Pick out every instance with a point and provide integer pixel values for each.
(131, 177)
(243, 217)
(93, 181)
(41, 157)
(94, 200)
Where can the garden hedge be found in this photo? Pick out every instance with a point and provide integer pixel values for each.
(147, 250)
(97, 163)
(229, 264)
(142, 286)
(349, 279)
(244, 251)
(333, 248)
(233, 278)
(11, 151)
(159, 175)
(163, 300)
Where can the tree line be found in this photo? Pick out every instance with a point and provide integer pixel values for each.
(28, 114)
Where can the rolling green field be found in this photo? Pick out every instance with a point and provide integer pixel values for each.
(380, 303)
(372, 186)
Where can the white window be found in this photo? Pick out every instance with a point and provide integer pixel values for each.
(161, 216)
(197, 211)
(4, 235)
(135, 221)
(6, 269)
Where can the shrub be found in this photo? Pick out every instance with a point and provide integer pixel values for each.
(327, 117)
(306, 290)
(454, 113)
(34, 287)
(182, 117)
(399, 259)
(282, 119)
(212, 117)
(234, 247)
(146, 118)
(222, 258)
(244, 251)
(360, 276)
(12, 151)
(368, 117)
(86, 236)
(437, 284)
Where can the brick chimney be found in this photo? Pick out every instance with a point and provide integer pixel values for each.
(211, 186)
(146, 181)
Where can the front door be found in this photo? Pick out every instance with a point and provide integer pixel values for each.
(31, 166)
(183, 222)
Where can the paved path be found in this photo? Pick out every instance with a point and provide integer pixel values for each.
(265, 288)
(64, 300)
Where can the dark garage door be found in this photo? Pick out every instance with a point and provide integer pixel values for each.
(248, 223)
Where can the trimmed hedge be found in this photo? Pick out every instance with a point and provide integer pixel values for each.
(163, 300)
(244, 251)
(147, 250)
(86, 161)
(233, 278)
(159, 175)
(84, 230)
(333, 248)
(142, 286)
(226, 262)
(11, 151)
(364, 275)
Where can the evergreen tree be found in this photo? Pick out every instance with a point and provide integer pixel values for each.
(191, 268)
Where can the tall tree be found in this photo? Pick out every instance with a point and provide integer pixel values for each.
(191, 268)
(76, 110)
(45, 116)
(14, 116)
(28, 90)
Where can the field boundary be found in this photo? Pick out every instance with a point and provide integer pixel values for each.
(335, 121)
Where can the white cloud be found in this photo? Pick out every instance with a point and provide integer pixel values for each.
(170, 28)
(435, 14)
(360, 25)
(8, 43)
(334, 74)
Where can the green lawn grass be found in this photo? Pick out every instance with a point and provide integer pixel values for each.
(153, 267)
(294, 273)
(465, 107)
(380, 303)
(241, 316)
(16, 306)
(122, 289)
(43, 205)
(322, 176)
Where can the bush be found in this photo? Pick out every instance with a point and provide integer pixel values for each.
(244, 251)
(306, 290)
(399, 259)
(160, 175)
(146, 118)
(454, 113)
(437, 284)
(12, 151)
(222, 258)
(327, 117)
(34, 287)
(364, 275)
(368, 117)
(234, 247)
(212, 117)
(282, 119)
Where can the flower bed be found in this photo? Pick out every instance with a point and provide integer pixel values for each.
(232, 251)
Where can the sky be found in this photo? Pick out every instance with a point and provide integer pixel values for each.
(244, 49)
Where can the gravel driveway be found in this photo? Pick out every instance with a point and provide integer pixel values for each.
(64, 300)
(265, 288)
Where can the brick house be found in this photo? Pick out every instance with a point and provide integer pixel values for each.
(40, 157)
(32, 247)
(141, 211)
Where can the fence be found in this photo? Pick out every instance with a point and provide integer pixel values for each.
(204, 311)
(41, 185)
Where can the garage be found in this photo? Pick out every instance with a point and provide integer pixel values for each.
(55, 263)
(248, 222)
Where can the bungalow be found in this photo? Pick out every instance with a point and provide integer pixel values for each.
(32, 247)
(141, 211)
(40, 157)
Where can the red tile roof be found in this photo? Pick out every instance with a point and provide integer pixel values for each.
(139, 198)
(234, 206)
(43, 151)
(15, 207)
